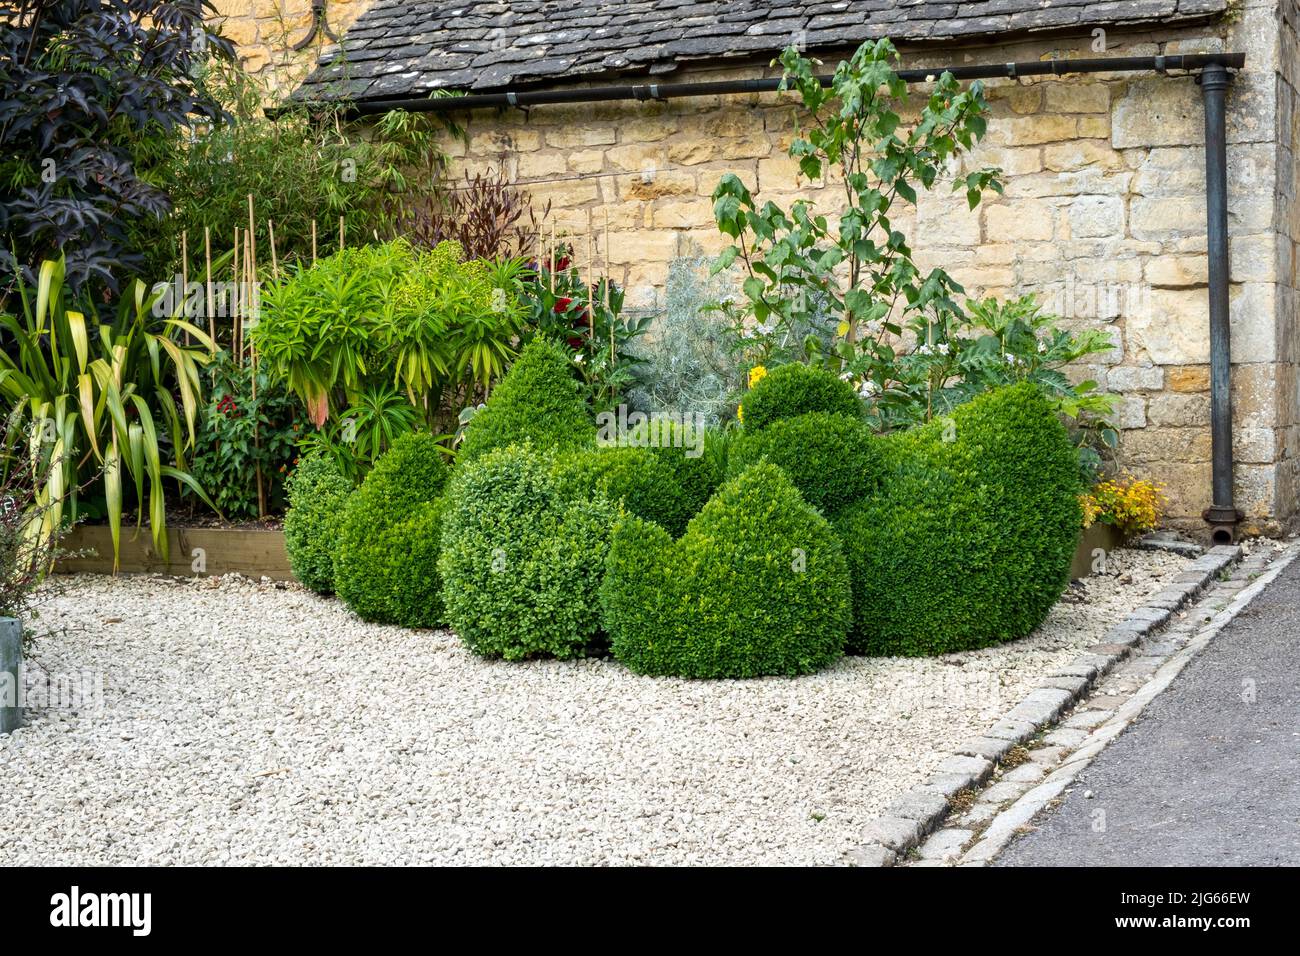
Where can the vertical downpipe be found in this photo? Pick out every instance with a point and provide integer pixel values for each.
(1222, 514)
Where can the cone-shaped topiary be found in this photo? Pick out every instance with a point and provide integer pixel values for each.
(641, 480)
(969, 540)
(796, 389)
(386, 565)
(539, 400)
(317, 493)
(757, 585)
(521, 564)
(832, 459)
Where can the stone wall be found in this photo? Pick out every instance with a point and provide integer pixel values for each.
(1103, 217)
(265, 30)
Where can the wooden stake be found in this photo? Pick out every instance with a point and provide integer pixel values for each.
(236, 295)
(313, 241)
(207, 257)
(340, 233)
(591, 286)
(185, 278)
(550, 265)
(251, 245)
(275, 260)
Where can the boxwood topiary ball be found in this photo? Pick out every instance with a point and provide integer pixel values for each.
(968, 541)
(832, 459)
(539, 400)
(757, 585)
(385, 567)
(790, 390)
(317, 494)
(522, 564)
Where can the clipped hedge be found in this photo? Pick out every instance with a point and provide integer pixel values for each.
(757, 585)
(386, 565)
(538, 400)
(697, 456)
(317, 494)
(832, 459)
(643, 481)
(521, 564)
(968, 542)
(797, 389)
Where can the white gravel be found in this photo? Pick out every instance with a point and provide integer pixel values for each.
(246, 723)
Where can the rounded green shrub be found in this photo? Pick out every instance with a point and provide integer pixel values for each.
(317, 493)
(969, 539)
(521, 564)
(797, 389)
(386, 564)
(832, 459)
(757, 585)
(640, 479)
(697, 456)
(538, 400)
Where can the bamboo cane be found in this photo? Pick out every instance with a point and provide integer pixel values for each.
(207, 258)
(275, 259)
(313, 241)
(236, 295)
(185, 278)
(609, 310)
(591, 286)
(341, 237)
(550, 265)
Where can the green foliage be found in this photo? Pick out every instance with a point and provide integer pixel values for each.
(599, 342)
(300, 166)
(227, 453)
(385, 567)
(757, 585)
(99, 398)
(377, 417)
(697, 456)
(317, 495)
(638, 478)
(424, 322)
(801, 265)
(521, 564)
(790, 390)
(539, 400)
(832, 459)
(688, 363)
(969, 539)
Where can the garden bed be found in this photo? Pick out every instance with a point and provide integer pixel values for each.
(247, 723)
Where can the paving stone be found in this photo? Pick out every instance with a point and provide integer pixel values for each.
(990, 748)
(1075, 685)
(978, 814)
(921, 804)
(1109, 650)
(1014, 730)
(1160, 649)
(945, 844)
(1047, 755)
(870, 855)
(1120, 637)
(1026, 773)
(1087, 719)
(1003, 792)
(1067, 738)
(1106, 701)
(896, 833)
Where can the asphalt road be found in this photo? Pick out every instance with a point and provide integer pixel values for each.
(1209, 774)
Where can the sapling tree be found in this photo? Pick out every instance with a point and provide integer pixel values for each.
(853, 262)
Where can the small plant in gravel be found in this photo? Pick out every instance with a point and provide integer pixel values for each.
(1014, 757)
(756, 586)
(1132, 505)
(386, 565)
(317, 493)
(522, 563)
(969, 539)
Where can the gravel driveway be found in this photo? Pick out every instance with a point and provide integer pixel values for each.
(246, 723)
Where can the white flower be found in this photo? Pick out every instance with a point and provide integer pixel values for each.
(867, 389)
(1042, 346)
(577, 359)
(846, 376)
(925, 350)
(1011, 359)
(943, 348)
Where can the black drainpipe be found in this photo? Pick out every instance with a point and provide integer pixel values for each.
(1222, 515)
(1214, 78)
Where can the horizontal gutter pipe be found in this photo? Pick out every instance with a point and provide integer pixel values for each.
(668, 91)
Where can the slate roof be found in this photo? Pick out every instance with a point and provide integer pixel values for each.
(411, 48)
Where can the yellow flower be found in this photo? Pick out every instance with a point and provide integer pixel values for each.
(757, 374)
(740, 412)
